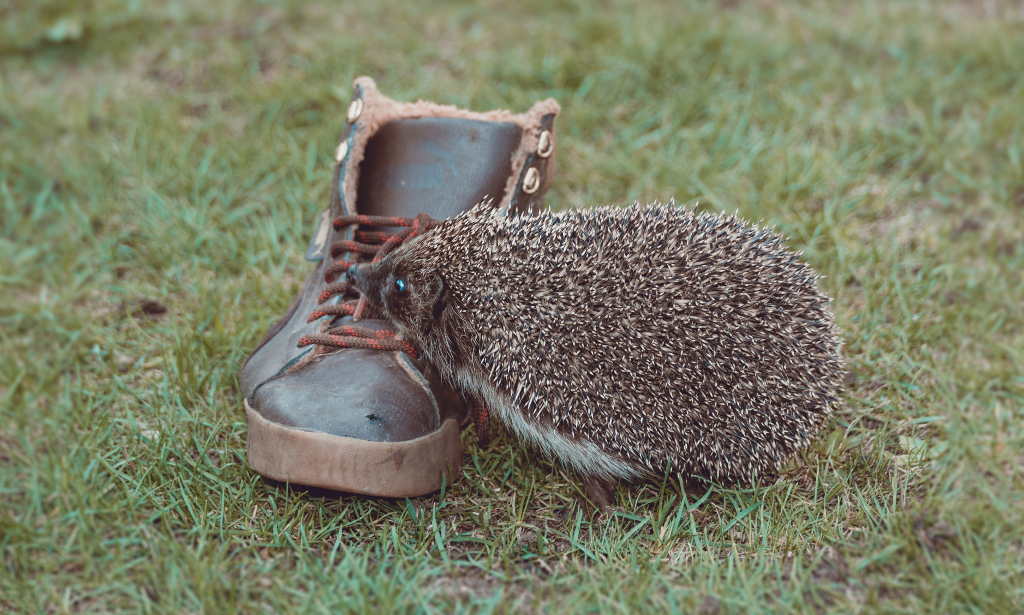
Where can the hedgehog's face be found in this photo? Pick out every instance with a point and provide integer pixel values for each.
(413, 299)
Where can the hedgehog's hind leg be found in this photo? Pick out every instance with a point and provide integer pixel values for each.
(599, 490)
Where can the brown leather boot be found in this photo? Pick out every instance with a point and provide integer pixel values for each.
(347, 405)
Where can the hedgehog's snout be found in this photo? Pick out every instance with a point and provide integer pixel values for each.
(365, 284)
(356, 278)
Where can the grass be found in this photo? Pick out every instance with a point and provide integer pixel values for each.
(162, 163)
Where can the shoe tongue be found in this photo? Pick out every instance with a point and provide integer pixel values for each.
(441, 166)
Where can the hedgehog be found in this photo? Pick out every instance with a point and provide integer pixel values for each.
(625, 343)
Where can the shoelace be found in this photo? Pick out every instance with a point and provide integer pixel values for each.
(481, 418)
(378, 245)
(370, 243)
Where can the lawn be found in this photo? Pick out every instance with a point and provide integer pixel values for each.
(162, 165)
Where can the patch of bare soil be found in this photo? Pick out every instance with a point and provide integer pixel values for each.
(468, 584)
(1004, 10)
(908, 224)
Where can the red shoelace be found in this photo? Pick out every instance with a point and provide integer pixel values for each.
(370, 243)
(481, 418)
(377, 244)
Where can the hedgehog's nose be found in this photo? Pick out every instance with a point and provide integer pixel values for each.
(355, 276)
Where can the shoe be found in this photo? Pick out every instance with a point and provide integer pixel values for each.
(347, 405)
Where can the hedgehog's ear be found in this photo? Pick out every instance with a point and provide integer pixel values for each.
(441, 299)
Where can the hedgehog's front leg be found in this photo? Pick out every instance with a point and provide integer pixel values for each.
(482, 420)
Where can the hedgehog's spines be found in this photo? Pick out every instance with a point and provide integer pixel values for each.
(624, 340)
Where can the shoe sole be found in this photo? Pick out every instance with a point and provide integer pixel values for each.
(389, 469)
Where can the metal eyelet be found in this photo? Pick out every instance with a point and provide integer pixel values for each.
(545, 145)
(354, 110)
(341, 152)
(531, 181)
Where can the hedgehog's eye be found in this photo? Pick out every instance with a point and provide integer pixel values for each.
(400, 285)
